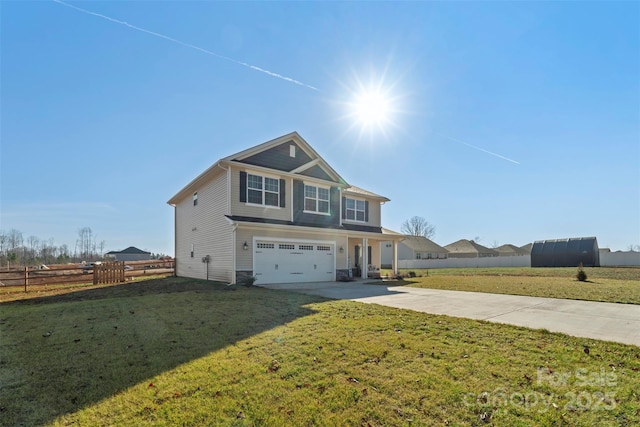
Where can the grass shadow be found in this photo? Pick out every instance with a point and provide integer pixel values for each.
(61, 353)
(391, 283)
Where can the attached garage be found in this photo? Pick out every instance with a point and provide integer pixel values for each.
(276, 261)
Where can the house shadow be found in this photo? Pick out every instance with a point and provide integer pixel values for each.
(62, 353)
(352, 290)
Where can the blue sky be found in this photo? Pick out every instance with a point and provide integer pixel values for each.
(511, 121)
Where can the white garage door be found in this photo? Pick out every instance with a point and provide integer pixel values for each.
(290, 262)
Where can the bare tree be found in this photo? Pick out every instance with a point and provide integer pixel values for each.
(33, 243)
(418, 226)
(14, 239)
(3, 241)
(634, 248)
(85, 242)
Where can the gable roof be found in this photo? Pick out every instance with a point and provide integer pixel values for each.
(469, 247)
(130, 250)
(275, 155)
(508, 249)
(422, 244)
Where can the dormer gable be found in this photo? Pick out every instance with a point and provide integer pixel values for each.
(290, 154)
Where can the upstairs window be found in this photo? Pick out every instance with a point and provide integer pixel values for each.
(263, 190)
(195, 199)
(355, 210)
(316, 199)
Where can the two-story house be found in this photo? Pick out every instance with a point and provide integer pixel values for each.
(279, 212)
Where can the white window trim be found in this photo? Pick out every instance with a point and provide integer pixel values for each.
(264, 190)
(364, 212)
(310, 184)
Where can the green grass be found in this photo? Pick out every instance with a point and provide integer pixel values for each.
(186, 352)
(620, 285)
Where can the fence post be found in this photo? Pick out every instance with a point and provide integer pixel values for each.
(26, 278)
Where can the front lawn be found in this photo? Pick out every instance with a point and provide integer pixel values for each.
(620, 285)
(187, 352)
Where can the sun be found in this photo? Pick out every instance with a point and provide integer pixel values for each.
(371, 105)
(372, 108)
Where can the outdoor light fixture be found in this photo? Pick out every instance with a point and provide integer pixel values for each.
(341, 249)
(245, 246)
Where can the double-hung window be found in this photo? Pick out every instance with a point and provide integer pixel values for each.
(316, 199)
(262, 190)
(355, 210)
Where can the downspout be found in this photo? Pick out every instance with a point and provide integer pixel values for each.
(234, 227)
(175, 241)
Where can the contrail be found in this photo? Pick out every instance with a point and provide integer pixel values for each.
(480, 149)
(162, 36)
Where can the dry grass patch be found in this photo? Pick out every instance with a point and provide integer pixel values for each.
(183, 352)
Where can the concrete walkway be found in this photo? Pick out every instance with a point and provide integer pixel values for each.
(598, 320)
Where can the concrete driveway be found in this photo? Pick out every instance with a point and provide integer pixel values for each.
(598, 320)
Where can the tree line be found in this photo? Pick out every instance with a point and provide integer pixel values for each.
(16, 250)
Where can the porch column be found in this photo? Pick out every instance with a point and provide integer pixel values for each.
(365, 258)
(394, 258)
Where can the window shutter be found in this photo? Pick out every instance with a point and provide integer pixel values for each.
(344, 208)
(243, 186)
(283, 194)
(366, 210)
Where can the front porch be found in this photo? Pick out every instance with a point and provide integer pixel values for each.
(364, 257)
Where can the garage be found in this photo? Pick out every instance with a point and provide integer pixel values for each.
(290, 262)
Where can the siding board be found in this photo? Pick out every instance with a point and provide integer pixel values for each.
(205, 227)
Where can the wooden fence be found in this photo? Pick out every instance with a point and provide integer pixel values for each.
(62, 274)
(109, 272)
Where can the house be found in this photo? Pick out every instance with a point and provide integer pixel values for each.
(511, 250)
(527, 247)
(413, 247)
(566, 252)
(130, 254)
(469, 249)
(280, 213)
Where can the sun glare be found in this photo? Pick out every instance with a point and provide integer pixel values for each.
(372, 108)
(372, 105)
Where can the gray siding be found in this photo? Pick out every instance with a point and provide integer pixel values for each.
(205, 227)
(278, 157)
(305, 218)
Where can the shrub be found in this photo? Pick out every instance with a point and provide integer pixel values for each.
(581, 275)
(412, 274)
(249, 280)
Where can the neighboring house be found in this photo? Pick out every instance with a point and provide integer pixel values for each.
(469, 249)
(527, 247)
(413, 247)
(280, 213)
(566, 252)
(130, 254)
(511, 250)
